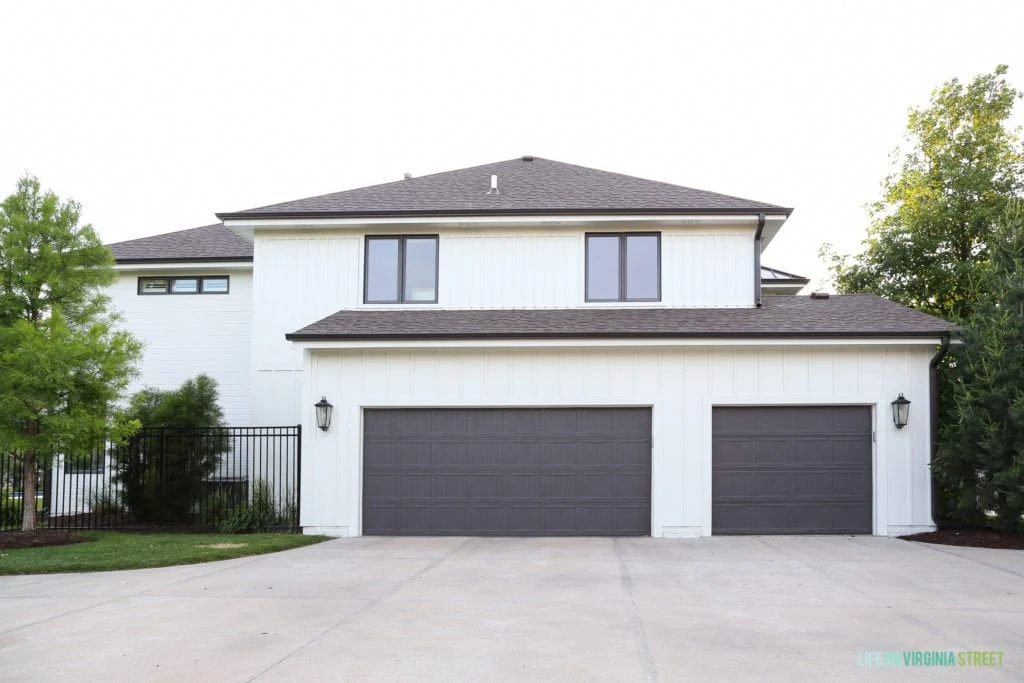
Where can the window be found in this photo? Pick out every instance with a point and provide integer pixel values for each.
(200, 284)
(624, 267)
(401, 270)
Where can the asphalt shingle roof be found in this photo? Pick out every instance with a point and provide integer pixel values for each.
(207, 243)
(537, 186)
(852, 315)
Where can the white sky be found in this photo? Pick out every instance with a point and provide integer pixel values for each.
(155, 116)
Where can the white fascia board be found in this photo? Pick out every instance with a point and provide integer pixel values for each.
(185, 265)
(612, 343)
(247, 227)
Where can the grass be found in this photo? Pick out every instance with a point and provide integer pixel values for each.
(107, 551)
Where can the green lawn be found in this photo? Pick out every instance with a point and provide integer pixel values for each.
(107, 550)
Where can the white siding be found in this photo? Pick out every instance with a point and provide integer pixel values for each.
(185, 335)
(307, 275)
(681, 384)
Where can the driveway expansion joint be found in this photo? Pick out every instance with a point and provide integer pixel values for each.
(643, 648)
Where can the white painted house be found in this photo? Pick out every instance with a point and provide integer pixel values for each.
(537, 348)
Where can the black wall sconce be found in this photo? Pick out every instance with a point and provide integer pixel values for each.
(323, 413)
(900, 412)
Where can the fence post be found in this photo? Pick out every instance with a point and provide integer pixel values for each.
(160, 474)
(298, 476)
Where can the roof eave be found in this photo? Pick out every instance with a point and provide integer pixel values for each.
(198, 259)
(300, 336)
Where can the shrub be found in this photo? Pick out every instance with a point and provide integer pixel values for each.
(163, 473)
(10, 510)
(106, 503)
(259, 515)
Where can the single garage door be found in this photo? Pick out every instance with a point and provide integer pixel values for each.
(507, 472)
(791, 470)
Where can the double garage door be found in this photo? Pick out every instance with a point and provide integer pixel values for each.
(587, 471)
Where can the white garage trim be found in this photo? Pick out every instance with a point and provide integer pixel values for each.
(680, 385)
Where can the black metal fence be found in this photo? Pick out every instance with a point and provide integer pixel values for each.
(230, 479)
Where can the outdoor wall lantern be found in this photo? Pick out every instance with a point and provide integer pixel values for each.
(900, 412)
(323, 413)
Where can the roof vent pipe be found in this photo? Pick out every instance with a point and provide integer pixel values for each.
(408, 176)
(494, 185)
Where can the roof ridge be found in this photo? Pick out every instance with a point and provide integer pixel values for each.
(385, 184)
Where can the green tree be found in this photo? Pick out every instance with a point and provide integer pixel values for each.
(981, 452)
(960, 165)
(164, 471)
(63, 363)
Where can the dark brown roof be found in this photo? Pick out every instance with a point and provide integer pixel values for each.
(538, 186)
(208, 243)
(852, 315)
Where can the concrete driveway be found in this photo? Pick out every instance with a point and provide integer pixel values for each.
(728, 608)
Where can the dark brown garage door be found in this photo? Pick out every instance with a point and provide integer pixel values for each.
(510, 472)
(791, 470)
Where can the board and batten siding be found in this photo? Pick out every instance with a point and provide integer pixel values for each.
(681, 385)
(307, 275)
(186, 335)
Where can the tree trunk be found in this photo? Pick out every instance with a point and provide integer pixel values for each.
(28, 483)
(28, 491)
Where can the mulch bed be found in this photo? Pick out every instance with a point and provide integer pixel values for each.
(9, 540)
(973, 538)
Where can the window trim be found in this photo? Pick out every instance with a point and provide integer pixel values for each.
(623, 246)
(200, 279)
(401, 269)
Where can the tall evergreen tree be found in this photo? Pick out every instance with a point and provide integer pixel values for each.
(981, 452)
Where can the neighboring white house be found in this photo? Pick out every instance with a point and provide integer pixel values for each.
(537, 348)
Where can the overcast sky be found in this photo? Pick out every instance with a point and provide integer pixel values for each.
(156, 115)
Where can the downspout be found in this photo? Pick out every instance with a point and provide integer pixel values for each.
(757, 260)
(933, 407)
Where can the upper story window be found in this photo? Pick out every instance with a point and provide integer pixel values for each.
(197, 284)
(624, 266)
(401, 270)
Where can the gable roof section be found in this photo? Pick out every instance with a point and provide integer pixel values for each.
(206, 243)
(529, 185)
(770, 275)
(852, 315)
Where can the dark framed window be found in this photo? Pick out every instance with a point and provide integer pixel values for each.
(623, 266)
(197, 284)
(400, 270)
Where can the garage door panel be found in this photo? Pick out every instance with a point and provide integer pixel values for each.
(596, 453)
(509, 471)
(560, 486)
(560, 453)
(595, 486)
(450, 486)
(483, 519)
(521, 486)
(524, 454)
(793, 469)
(635, 486)
(416, 486)
(381, 485)
(484, 486)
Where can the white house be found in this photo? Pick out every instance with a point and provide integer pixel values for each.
(536, 348)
